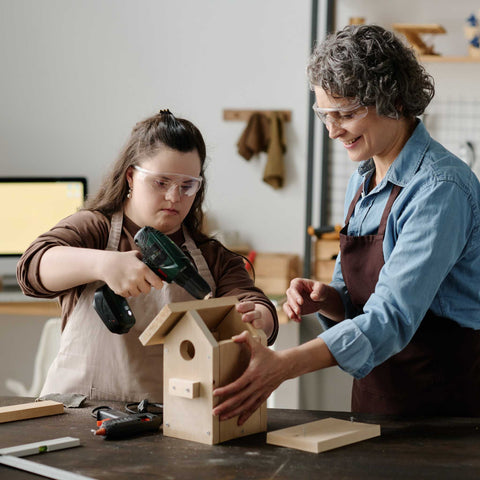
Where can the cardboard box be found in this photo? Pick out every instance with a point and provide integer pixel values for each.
(274, 271)
(326, 252)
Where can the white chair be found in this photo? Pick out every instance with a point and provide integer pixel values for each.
(48, 347)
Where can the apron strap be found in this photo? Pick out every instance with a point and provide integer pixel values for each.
(396, 189)
(116, 224)
(354, 202)
(386, 212)
(199, 260)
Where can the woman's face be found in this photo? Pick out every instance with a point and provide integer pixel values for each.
(163, 189)
(363, 135)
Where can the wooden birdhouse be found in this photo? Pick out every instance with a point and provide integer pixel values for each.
(199, 356)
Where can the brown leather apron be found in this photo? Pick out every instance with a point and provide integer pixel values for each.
(102, 365)
(438, 372)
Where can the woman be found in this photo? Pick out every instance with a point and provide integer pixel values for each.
(158, 180)
(402, 314)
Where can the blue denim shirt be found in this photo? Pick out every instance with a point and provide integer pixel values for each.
(431, 251)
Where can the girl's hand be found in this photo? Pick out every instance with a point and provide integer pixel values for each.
(258, 315)
(127, 275)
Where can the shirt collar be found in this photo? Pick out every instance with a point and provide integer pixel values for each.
(408, 161)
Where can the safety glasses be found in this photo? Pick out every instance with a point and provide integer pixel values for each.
(341, 116)
(163, 182)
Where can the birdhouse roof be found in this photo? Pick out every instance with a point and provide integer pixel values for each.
(212, 312)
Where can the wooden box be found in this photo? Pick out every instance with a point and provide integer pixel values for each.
(274, 271)
(326, 252)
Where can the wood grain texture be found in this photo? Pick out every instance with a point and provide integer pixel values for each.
(24, 411)
(323, 435)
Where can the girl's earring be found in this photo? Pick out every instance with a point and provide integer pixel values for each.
(129, 194)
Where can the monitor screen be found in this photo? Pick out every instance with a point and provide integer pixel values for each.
(31, 206)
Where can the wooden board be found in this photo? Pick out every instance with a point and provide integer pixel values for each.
(274, 271)
(244, 115)
(323, 435)
(30, 410)
(412, 32)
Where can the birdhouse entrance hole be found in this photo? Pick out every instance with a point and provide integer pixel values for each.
(187, 350)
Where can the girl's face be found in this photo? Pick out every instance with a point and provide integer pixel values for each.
(163, 189)
(364, 134)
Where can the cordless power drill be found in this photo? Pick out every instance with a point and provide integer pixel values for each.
(168, 261)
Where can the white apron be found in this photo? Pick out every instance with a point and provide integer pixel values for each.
(106, 366)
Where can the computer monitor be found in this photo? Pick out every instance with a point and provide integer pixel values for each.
(31, 206)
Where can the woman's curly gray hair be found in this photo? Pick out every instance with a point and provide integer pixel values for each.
(372, 65)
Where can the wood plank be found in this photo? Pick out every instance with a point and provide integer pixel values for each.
(448, 59)
(323, 435)
(244, 115)
(24, 411)
(170, 314)
(419, 28)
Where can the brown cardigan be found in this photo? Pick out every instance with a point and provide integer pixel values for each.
(89, 229)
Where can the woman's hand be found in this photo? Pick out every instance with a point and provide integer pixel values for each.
(310, 296)
(263, 375)
(127, 275)
(266, 370)
(256, 314)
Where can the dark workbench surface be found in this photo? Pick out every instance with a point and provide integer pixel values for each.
(435, 448)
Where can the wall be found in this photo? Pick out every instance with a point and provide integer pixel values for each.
(76, 76)
(453, 116)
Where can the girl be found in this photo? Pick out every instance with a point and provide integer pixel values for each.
(158, 180)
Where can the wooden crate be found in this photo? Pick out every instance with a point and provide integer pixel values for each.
(274, 271)
(326, 252)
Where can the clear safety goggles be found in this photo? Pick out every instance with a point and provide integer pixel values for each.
(341, 116)
(164, 182)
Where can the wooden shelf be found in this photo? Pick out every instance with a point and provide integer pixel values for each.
(448, 59)
(244, 115)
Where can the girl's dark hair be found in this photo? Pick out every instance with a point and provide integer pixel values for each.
(373, 66)
(146, 139)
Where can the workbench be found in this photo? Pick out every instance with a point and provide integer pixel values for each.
(433, 448)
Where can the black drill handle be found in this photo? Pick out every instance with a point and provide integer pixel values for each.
(114, 310)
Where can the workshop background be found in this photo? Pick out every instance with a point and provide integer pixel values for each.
(77, 75)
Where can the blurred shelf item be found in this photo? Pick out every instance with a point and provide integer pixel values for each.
(244, 115)
(448, 59)
(325, 251)
(412, 32)
(274, 272)
(15, 303)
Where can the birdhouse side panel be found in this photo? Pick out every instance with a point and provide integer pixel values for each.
(233, 361)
